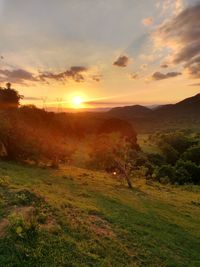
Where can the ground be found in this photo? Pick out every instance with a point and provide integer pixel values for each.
(77, 217)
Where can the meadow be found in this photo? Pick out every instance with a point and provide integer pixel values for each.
(78, 217)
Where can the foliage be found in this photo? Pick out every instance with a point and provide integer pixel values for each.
(113, 153)
(179, 162)
(193, 154)
(9, 98)
(192, 170)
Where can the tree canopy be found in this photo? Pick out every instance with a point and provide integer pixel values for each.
(9, 97)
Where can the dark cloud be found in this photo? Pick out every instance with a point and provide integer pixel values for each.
(192, 67)
(19, 76)
(122, 61)
(133, 76)
(74, 73)
(162, 76)
(97, 78)
(164, 66)
(182, 35)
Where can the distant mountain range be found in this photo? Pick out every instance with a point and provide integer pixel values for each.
(185, 113)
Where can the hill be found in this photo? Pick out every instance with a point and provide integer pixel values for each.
(128, 112)
(187, 107)
(184, 114)
(77, 217)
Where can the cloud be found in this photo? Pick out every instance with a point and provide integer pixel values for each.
(164, 66)
(181, 35)
(192, 67)
(122, 61)
(194, 84)
(75, 73)
(18, 76)
(97, 78)
(161, 76)
(143, 66)
(32, 98)
(148, 57)
(170, 6)
(133, 76)
(147, 21)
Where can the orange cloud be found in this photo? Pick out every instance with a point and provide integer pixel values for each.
(147, 21)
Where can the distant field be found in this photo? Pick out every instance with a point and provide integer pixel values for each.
(146, 145)
(76, 217)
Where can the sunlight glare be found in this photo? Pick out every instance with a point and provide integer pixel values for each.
(77, 101)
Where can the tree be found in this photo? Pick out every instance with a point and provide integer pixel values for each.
(115, 154)
(170, 154)
(9, 98)
(192, 169)
(193, 154)
(165, 173)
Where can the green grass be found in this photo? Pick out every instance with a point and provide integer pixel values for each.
(77, 217)
(146, 145)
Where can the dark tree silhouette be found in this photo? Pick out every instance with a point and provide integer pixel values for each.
(9, 97)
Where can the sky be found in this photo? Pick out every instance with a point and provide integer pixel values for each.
(100, 53)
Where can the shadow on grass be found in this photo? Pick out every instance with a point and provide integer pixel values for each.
(155, 239)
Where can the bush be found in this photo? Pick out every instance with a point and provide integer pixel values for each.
(193, 171)
(178, 141)
(170, 154)
(182, 176)
(156, 159)
(193, 154)
(166, 172)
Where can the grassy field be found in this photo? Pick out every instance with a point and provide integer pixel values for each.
(76, 217)
(146, 145)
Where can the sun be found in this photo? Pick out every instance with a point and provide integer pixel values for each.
(77, 101)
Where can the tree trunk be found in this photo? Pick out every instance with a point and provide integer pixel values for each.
(128, 181)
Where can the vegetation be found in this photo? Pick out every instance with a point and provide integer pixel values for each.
(177, 157)
(9, 98)
(77, 217)
(54, 213)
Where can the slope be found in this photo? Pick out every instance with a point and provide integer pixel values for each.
(77, 217)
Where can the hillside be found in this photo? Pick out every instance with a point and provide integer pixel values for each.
(187, 107)
(129, 112)
(77, 217)
(184, 114)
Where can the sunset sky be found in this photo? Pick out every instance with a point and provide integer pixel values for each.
(100, 53)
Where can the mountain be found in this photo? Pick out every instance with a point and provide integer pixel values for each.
(128, 112)
(184, 114)
(187, 107)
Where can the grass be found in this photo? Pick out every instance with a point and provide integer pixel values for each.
(146, 145)
(77, 217)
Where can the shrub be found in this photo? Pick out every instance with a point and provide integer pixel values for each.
(193, 154)
(166, 172)
(178, 141)
(170, 154)
(182, 176)
(192, 170)
(156, 159)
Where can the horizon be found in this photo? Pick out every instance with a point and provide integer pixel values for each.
(59, 108)
(139, 55)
